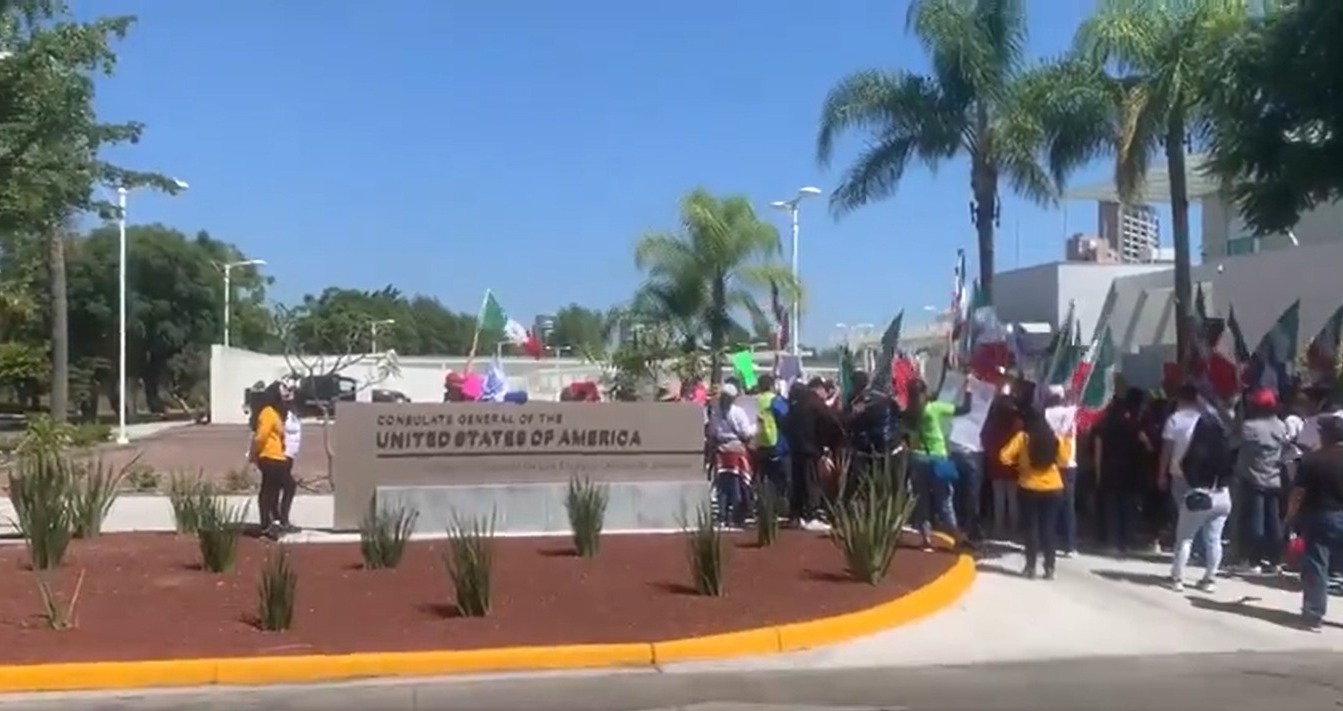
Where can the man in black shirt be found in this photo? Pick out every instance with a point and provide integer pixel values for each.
(1316, 509)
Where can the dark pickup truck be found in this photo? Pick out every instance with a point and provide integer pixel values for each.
(318, 393)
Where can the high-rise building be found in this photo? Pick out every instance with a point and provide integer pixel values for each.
(1089, 248)
(1132, 231)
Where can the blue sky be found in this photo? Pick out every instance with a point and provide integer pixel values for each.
(448, 147)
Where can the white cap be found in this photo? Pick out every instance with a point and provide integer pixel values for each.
(730, 390)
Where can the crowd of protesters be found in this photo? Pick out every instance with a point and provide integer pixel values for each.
(1151, 473)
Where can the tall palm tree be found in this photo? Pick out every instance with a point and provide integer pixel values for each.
(976, 102)
(711, 271)
(1154, 56)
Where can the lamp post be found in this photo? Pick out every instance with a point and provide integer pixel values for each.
(122, 193)
(373, 332)
(228, 291)
(791, 206)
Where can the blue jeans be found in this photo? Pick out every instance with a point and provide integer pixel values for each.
(732, 499)
(1040, 514)
(936, 498)
(1067, 521)
(969, 486)
(1261, 525)
(1323, 533)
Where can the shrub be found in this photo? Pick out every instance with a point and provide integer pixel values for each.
(470, 563)
(41, 491)
(189, 495)
(384, 533)
(89, 434)
(705, 548)
(276, 592)
(867, 523)
(57, 617)
(768, 504)
(95, 489)
(142, 478)
(585, 501)
(219, 528)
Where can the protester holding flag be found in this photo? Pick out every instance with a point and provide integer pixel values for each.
(1063, 418)
(1118, 451)
(1258, 469)
(812, 429)
(730, 431)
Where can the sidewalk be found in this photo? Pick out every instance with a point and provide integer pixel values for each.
(1097, 607)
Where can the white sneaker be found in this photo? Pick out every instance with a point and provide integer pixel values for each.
(1067, 554)
(1177, 585)
(815, 525)
(1207, 585)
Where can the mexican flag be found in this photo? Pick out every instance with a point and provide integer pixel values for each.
(1275, 358)
(494, 318)
(1096, 373)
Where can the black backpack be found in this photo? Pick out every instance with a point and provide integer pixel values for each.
(1207, 463)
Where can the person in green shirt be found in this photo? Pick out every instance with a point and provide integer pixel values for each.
(933, 473)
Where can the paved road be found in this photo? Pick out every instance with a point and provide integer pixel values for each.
(1227, 682)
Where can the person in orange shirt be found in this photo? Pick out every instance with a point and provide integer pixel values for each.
(1039, 457)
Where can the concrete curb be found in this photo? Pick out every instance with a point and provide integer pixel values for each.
(261, 671)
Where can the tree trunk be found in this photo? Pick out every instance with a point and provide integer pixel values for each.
(1179, 211)
(60, 326)
(718, 330)
(984, 187)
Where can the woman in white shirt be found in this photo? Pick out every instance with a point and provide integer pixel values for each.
(730, 430)
(1062, 418)
(293, 438)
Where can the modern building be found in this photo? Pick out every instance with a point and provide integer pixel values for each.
(1089, 248)
(1042, 293)
(1132, 231)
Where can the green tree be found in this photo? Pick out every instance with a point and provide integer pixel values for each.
(340, 321)
(580, 330)
(718, 263)
(1276, 109)
(978, 101)
(174, 310)
(51, 141)
(1158, 55)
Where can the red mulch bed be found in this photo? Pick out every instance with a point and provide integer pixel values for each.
(144, 597)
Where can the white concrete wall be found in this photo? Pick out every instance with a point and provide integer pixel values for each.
(233, 370)
(1221, 223)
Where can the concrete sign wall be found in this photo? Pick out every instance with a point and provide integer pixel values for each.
(484, 444)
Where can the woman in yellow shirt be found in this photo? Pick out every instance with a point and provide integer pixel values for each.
(1039, 456)
(269, 414)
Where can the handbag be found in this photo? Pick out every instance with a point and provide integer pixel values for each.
(1198, 500)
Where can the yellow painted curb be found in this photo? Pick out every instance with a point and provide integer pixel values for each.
(259, 671)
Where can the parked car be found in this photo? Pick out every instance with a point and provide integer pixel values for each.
(381, 395)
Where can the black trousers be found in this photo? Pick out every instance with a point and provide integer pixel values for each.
(277, 491)
(1040, 513)
(805, 500)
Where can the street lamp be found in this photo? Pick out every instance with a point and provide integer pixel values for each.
(373, 332)
(122, 192)
(791, 207)
(228, 290)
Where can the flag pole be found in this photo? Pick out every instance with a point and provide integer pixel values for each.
(475, 337)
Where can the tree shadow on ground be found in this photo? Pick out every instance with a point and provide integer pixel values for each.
(1155, 580)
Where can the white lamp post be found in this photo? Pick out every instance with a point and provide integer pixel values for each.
(373, 332)
(791, 206)
(122, 192)
(228, 292)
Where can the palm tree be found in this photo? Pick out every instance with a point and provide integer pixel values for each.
(978, 102)
(712, 269)
(1158, 54)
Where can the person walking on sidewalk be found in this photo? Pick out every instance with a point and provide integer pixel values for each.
(1206, 504)
(1263, 436)
(1316, 511)
(1039, 457)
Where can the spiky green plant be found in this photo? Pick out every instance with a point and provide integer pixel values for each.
(94, 490)
(704, 546)
(469, 559)
(41, 490)
(276, 591)
(866, 525)
(384, 533)
(218, 531)
(188, 494)
(768, 504)
(586, 501)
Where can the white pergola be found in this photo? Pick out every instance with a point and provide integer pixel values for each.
(1156, 189)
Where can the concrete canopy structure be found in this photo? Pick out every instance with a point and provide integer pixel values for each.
(1156, 189)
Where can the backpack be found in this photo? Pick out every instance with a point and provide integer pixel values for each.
(1207, 461)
